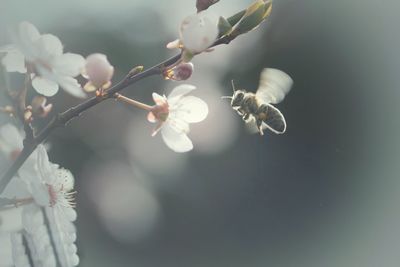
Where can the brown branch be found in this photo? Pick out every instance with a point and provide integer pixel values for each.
(63, 118)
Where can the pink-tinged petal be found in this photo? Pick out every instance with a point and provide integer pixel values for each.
(44, 86)
(180, 90)
(151, 117)
(191, 109)
(178, 142)
(49, 46)
(157, 128)
(89, 87)
(14, 61)
(174, 44)
(98, 70)
(158, 99)
(68, 64)
(71, 86)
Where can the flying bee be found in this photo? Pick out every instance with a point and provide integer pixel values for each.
(256, 109)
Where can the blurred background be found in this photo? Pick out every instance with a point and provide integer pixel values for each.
(326, 193)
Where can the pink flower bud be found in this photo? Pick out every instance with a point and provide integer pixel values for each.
(98, 71)
(179, 73)
(40, 107)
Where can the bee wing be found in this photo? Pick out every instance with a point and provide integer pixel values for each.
(274, 85)
(275, 121)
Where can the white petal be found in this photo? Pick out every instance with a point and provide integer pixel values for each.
(7, 48)
(44, 166)
(27, 36)
(28, 32)
(198, 32)
(178, 142)
(178, 92)
(11, 136)
(14, 61)
(44, 86)
(68, 64)
(49, 46)
(71, 85)
(191, 109)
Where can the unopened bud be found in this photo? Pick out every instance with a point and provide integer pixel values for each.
(179, 73)
(98, 71)
(28, 115)
(135, 70)
(198, 32)
(39, 107)
(204, 4)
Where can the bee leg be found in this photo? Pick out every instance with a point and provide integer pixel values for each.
(246, 117)
(259, 126)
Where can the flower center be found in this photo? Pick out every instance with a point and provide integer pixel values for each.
(161, 112)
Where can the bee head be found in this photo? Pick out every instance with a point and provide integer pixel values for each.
(237, 98)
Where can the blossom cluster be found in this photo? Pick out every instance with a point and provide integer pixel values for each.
(46, 190)
(41, 191)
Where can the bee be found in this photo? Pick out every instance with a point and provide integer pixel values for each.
(256, 109)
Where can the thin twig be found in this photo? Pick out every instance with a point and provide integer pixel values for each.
(132, 102)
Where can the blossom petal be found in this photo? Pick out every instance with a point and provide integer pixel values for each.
(178, 142)
(44, 86)
(69, 64)
(178, 92)
(49, 46)
(7, 48)
(158, 99)
(25, 39)
(72, 86)
(191, 109)
(28, 32)
(11, 136)
(14, 61)
(151, 117)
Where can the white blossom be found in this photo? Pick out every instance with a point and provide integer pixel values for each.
(43, 55)
(37, 237)
(11, 144)
(50, 187)
(174, 114)
(19, 256)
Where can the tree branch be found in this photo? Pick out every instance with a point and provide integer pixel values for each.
(63, 118)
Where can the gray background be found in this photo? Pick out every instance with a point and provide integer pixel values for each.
(324, 194)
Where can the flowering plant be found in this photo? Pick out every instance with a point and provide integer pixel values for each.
(47, 235)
